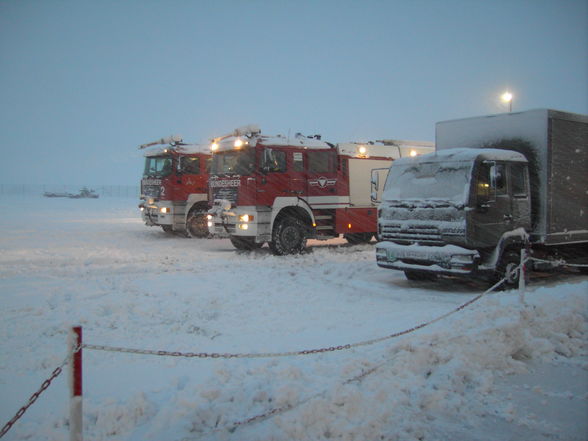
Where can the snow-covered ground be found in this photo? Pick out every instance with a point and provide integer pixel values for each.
(496, 370)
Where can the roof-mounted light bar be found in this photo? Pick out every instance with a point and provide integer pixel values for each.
(249, 130)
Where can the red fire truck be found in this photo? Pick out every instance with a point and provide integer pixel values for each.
(284, 190)
(174, 189)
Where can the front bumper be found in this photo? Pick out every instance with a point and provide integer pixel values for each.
(241, 221)
(157, 214)
(448, 259)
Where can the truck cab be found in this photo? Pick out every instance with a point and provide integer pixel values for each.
(454, 212)
(499, 186)
(174, 189)
(263, 184)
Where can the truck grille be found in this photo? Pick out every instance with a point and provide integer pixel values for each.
(227, 193)
(407, 234)
(152, 191)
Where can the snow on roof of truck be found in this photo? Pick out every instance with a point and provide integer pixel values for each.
(539, 113)
(467, 155)
(180, 148)
(390, 148)
(297, 140)
(393, 149)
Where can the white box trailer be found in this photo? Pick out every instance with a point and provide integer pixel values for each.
(556, 145)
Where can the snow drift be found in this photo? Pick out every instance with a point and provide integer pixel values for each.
(496, 370)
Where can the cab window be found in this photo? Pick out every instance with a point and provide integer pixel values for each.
(483, 182)
(297, 162)
(190, 165)
(157, 166)
(518, 179)
(491, 180)
(321, 162)
(274, 161)
(498, 178)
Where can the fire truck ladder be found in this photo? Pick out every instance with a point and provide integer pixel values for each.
(172, 140)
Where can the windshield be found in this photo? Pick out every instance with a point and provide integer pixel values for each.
(235, 162)
(446, 181)
(158, 166)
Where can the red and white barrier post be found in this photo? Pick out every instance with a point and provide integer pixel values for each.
(75, 408)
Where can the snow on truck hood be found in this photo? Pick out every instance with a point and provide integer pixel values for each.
(438, 179)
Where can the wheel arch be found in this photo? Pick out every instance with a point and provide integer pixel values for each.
(196, 201)
(198, 207)
(295, 207)
(511, 241)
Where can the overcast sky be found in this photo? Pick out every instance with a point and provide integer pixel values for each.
(83, 83)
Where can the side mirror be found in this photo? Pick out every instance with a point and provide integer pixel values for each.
(375, 183)
(375, 180)
(180, 166)
(265, 161)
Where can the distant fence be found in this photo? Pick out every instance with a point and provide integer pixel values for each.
(122, 191)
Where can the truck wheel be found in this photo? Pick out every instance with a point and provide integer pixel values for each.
(245, 243)
(288, 237)
(419, 276)
(357, 238)
(508, 269)
(196, 224)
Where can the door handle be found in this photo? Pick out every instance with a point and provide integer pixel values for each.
(507, 217)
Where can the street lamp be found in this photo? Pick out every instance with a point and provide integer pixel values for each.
(506, 97)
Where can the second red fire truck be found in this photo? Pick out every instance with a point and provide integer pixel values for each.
(174, 188)
(285, 190)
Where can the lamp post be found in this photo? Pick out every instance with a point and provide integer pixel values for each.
(506, 97)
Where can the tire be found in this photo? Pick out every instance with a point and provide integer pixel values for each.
(196, 224)
(288, 237)
(507, 269)
(419, 276)
(245, 243)
(358, 238)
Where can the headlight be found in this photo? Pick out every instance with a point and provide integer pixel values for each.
(243, 226)
(209, 217)
(246, 218)
(381, 254)
(164, 210)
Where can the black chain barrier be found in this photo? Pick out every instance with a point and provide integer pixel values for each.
(32, 400)
(164, 353)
